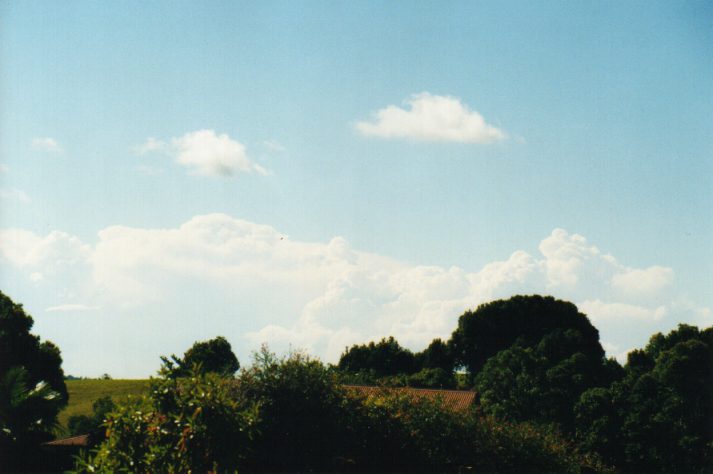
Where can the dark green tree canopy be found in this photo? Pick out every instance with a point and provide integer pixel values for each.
(659, 417)
(18, 347)
(497, 325)
(383, 358)
(436, 356)
(213, 356)
(32, 389)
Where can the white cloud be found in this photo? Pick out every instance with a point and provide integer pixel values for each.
(3, 168)
(601, 312)
(205, 153)
(48, 254)
(71, 308)
(247, 280)
(14, 195)
(431, 118)
(645, 281)
(46, 144)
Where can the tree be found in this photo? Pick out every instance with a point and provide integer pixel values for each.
(83, 424)
(497, 325)
(542, 383)
(437, 355)
(32, 389)
(213, 356)
(659, 417)
(380, 359)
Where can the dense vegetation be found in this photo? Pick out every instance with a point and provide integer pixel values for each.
(32, 388)
(548, 400)
(291, 414)
(83, 393)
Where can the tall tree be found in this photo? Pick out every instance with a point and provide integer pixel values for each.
(32, 389)
(659, 417)
(213, 356)
(383, 358)
(497, 325)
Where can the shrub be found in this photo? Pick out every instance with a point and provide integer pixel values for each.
(192, 424)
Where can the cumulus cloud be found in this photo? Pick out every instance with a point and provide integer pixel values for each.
(205, 153)
(42, 255)
(431, 118)
(46, 144)
(257, 284)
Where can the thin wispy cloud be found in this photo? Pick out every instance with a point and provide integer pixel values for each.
(71, 308)
(274, 146)
(433, 118)
(205, 153)
(12, 195)
(46, 144)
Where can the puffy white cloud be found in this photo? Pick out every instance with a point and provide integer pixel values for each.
(205, 153)
(46, 144)
(431, 118)
(42, 255)
(256, 283)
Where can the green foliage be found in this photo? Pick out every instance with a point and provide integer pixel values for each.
(84, 424)
(27, 413)
(437, 355)
(403, 434)
(497, 325)
(659, 417)
(191, 424)
(543, 382)
(83, 393)
(290, 414)
(18, 347)
(431, 378)
(32, 388)
(383, 358)
(302, 413)
(214, 356)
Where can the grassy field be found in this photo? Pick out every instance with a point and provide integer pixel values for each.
(82, 394)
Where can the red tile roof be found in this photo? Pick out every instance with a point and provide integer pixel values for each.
(456, 400)
(79, 441)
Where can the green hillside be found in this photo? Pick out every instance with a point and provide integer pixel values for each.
(82, 394)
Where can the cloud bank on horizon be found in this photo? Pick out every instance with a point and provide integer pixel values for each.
(323, 296)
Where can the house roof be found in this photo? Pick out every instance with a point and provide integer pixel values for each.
(74, 441)
(456, 400)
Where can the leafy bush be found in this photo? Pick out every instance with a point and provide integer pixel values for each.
(192, 424)
(83, 424)
(302, 413)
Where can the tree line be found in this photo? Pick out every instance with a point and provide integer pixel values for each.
(548, 400)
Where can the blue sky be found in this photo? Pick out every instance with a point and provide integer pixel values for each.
(318, 174)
